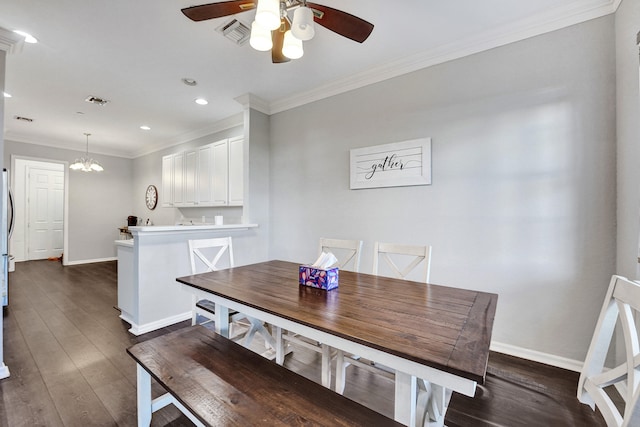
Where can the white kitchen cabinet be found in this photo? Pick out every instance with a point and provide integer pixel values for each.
(211, 175)
(167, 181)
(236, 171)
(204, 188)
(220, 176)
(178, 179)
(190, 178)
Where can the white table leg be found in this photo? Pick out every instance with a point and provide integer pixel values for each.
(279, 346)
(433, 401)
(405, 399)
(144, 397)
(222, 320)
(326, 365)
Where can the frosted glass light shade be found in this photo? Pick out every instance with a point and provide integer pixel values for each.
(302, 26)
(260, 37)
(292, 47)
(268, 14)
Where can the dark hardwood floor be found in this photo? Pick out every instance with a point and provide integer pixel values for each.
(65, 349)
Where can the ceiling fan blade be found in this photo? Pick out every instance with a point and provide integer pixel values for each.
(277, 35)
(342, 23)
(217, 10)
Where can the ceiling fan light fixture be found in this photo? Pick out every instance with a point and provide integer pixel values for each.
(268, 14)
(292, 46)
(302, 26)
(260, 37)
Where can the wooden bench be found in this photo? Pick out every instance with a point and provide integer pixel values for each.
(216, 382)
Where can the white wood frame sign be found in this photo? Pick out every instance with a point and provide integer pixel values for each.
(397, 164)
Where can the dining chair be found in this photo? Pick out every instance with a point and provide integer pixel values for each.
(348, 253)
(410, 257)
(205, 255)
(621, 306)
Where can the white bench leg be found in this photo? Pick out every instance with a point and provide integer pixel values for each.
(144, 397)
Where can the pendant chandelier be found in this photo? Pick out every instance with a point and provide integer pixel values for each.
(86, 164)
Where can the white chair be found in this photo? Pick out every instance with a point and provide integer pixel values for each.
(621, 304)
(411, 257)
(347, 251)
(348, 254)
(205, 255)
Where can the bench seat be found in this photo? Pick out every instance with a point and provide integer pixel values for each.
(216, 382)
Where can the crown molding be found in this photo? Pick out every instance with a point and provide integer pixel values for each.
(228, 123)
(551, 20)
(249, 100)
(219, 126)
(10, 42)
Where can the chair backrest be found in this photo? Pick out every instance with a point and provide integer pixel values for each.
(347, 252)
(621, 304)
(206, 254)
(410, 255)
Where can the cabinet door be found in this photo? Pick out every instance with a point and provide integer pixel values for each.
(178, 179)
(219, 178)
(190, 173)
(205, 172)
(167, 181)
(236, 171)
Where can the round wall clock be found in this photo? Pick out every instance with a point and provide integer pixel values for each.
(151, 197)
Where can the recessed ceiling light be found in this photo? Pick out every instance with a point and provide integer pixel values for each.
(28, 38)
(145, 127)
(189, 82)
(6, 95)
(201, 101)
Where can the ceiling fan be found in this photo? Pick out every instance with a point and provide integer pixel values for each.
(273, 30)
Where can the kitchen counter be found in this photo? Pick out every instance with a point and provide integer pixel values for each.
(188, 228)
(149, 297)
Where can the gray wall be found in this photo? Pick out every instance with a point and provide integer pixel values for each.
(523, 196)
(628, 137)
(99, 203)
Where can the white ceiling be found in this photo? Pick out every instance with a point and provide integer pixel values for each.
(135, 53)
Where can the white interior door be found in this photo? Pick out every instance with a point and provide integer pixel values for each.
(46, 213)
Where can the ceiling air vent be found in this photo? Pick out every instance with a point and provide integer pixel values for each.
(23, 119)
(235, 31)
(95, 100)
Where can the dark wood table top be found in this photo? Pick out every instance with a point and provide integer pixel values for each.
(446, 328)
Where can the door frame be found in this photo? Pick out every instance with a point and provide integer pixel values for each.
(65, 228)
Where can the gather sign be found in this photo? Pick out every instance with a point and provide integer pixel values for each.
(391, 165)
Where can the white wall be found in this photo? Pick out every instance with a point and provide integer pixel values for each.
(628, 137)
(523, 196)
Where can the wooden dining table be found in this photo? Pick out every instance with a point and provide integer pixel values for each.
(426, 333)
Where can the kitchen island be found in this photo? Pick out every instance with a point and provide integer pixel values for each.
(149, 297)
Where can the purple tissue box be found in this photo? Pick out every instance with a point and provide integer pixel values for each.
(319, 278)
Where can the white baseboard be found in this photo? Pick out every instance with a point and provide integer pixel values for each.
(90, 261)
(537, 356)
(148, 327)
(4, 369)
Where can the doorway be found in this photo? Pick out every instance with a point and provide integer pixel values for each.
(39, 191)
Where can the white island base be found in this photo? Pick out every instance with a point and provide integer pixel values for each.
(149, 297)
